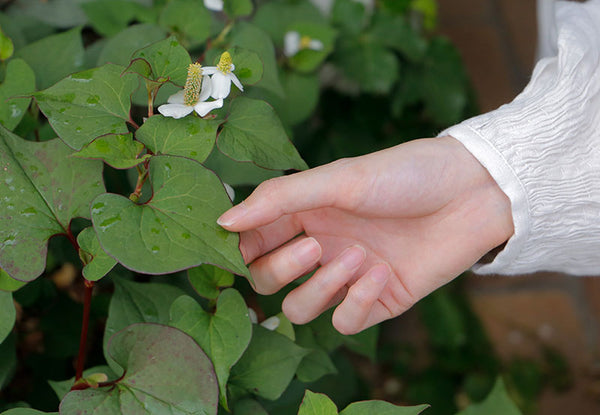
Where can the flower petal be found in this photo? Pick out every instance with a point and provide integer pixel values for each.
(221, 86)
(206, 88)
(291, 43)
(315, 44)
(209, 70)
(203, 108)
(175, 110)
(230, 191)
(176, 98)
(215, 5)
(236, 81)
(271, 323)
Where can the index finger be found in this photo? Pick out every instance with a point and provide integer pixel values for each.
(274, 198)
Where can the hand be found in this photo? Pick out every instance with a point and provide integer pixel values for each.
(384, 230)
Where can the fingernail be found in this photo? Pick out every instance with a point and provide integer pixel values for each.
(233, 215)
(380, 273)
(307, 252)
(353, 257)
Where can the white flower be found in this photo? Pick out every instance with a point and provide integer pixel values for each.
(214, 5)
(252, 315)
(271, 323)
(294, 43)
(222, 77)
(192, 97)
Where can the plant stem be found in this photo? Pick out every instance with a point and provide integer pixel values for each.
(89, 287)
(221, 37)
(142, 176)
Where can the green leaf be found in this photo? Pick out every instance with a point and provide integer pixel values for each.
(27, 411)
(6, 46)
(236, 172)
(496, 403)
(428, 9)
(250, 37)
(88, 104)
(40, 195)
(120, 48)
(7, 319)
(165, 373)
(349, 15)
(135, 302)
(120, 151)
(248, 407)
(268, 365)
(285, 326)
(315, 364)
(177, 229)
(207, 280)
(9, 284)
(224, 335)
(109, 17)
(277, 16)
(307, 60)
(444, 320)
(396, 32)
(248, 66)
(62, 387)
(368, 63)
(19, 81)
(188, 18)
(100, 263)
(253, 132)
(364, 343)
(381, 408)
(63, 14)
(168, 61)
(238, 8)
(317, 404)
(444, 83)
(190, 137)
(8, 360)
(54, 57)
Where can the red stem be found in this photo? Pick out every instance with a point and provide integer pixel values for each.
(89, 287)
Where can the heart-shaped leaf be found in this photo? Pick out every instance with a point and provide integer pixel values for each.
(120, 48)
(8, 314)
(135, 302)
(190, 137)
(208, 279)
(54, 57)
(268, 365)
(165, 372)
(19, 81)
(253, 132)
(496, 403)
(188, 18)
(382, 408)
(27, 411)
(177, 229)
(317, 404)
(89, 104)
(223, 336)
(167, 59)
(39, 196)
(109, 17)
(97, 263)
(120, 151)
(7, 283)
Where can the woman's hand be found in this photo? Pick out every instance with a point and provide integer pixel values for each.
(384, 230)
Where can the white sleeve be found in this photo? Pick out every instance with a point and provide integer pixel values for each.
(543, 150)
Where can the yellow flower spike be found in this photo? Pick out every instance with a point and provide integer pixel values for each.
(193, 84)
(225, 63)
(305, 42)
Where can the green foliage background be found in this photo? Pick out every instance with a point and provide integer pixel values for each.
(78, 137)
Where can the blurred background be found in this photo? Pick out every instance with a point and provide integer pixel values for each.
(525, 317)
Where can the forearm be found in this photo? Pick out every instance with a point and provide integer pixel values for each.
(543, 150)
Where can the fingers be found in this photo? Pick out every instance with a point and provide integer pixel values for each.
(313, 297)
(280, 267)
(257, 242)
(361, 307)
(284, 195)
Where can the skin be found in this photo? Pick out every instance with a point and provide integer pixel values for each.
(382, 230)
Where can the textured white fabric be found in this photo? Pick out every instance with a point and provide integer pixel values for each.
(543, 149)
